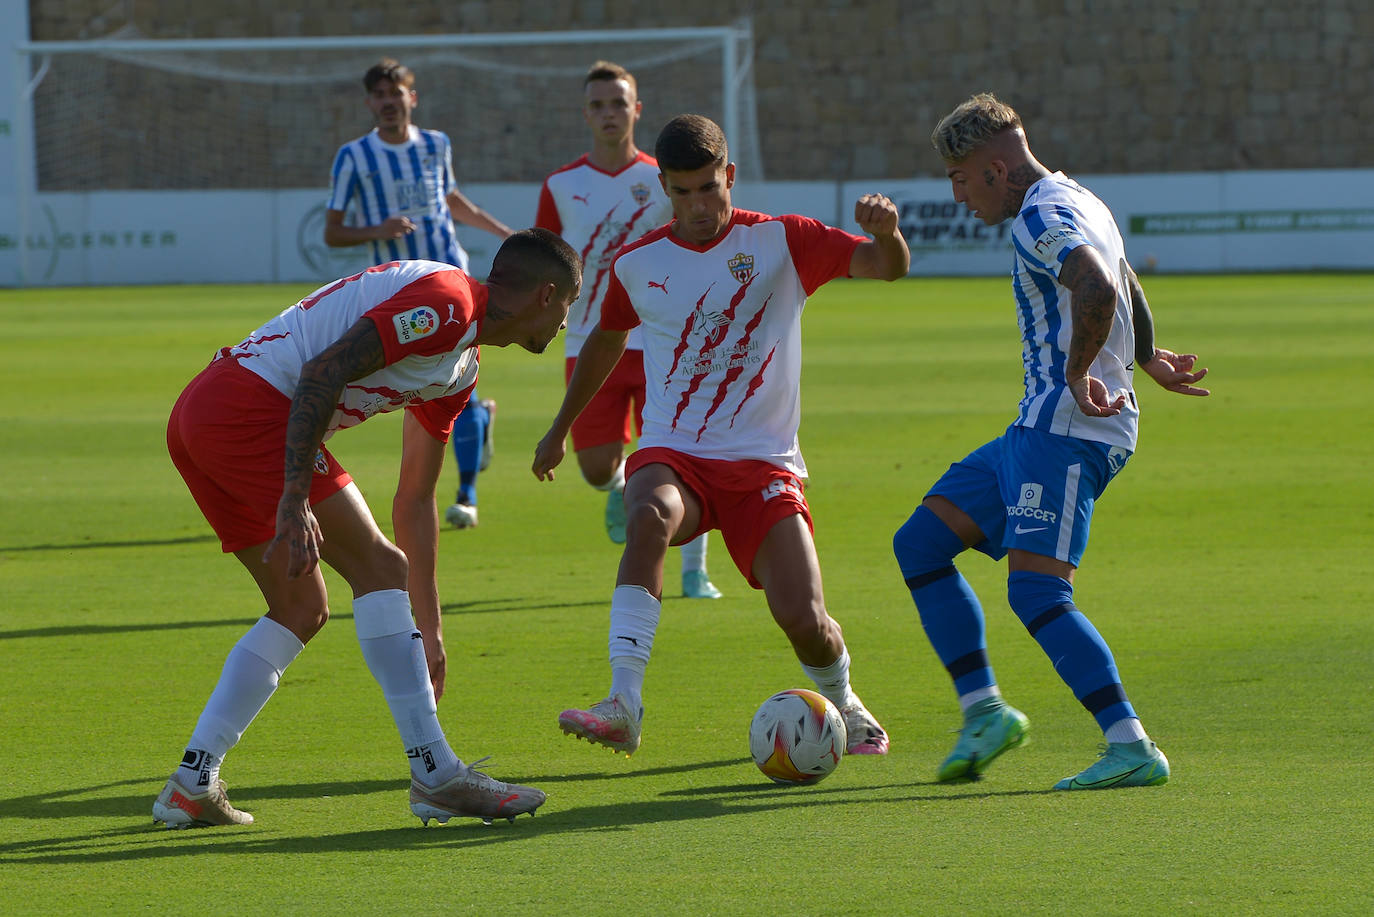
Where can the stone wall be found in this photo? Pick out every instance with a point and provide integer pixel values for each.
(850, 90)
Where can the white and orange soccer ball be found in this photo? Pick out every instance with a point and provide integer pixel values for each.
(797, 737)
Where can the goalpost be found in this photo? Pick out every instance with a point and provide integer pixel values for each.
(160, 115)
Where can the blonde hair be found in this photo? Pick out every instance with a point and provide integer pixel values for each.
(977, 120)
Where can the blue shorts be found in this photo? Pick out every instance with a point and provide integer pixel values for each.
(1032, 491)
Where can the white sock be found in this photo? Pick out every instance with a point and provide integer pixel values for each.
(250, 675)
(617, 481)
(634, 620)
(1125, 730)
(832, 680)
(694, 554)
(395, 654)
(977, 694)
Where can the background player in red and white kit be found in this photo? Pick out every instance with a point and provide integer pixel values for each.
(598, 203)
(400, 335)
(718, 294)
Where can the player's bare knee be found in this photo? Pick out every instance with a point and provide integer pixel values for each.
(392, 568)
(649, 520)
(597, 476)
(382, 566)
(303, 620)
(808, 627)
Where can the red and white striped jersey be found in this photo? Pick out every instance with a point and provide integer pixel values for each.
(597, 212)
(427, 314)
(722, 332)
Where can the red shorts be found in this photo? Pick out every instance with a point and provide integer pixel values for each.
(743, 499)
(227, 437)
(619, 404)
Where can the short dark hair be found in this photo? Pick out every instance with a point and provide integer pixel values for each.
(605, 70)
(691, 142)
(534, 256)
(388, 69)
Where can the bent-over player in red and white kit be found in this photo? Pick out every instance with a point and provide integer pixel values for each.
(718, 295)
(598, 203)
(399, 335)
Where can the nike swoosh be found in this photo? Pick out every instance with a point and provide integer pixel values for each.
(1021, 531)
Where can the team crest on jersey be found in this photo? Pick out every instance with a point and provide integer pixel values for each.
(742, 266)
(321, 462)
(640, 192)
(418, 323)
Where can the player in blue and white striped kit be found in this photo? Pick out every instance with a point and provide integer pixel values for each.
(1029, 494)
(398, 183)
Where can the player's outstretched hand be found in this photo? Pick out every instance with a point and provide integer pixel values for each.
(548, 455)
(876, 215)
(1091, 395)
(298, 528)
(1175, 372)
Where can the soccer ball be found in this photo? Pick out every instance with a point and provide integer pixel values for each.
(797, 737)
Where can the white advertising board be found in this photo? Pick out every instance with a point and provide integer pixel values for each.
(1187, 222)
(1176, 222)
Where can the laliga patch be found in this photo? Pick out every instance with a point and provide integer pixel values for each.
(416, 324)
(1051, 243)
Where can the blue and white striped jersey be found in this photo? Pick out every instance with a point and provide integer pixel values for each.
(380, 180)
(1059, 215)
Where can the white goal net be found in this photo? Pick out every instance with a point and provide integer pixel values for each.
(134, 114)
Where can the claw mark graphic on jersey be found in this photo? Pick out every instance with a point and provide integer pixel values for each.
(239, 351)
(615, 236)
(738, 354)
(754, 384)
(682, 340)
(712, 336)
(340, 284)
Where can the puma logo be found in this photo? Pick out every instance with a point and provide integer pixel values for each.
(662, 286)
(580, 197)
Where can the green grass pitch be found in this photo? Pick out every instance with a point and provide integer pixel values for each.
(1230, 569)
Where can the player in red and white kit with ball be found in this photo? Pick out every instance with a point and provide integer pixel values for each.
(598, 203)
(718, 295)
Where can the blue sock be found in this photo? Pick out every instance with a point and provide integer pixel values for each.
(950, 612)
(1045, 605)
(469, 432)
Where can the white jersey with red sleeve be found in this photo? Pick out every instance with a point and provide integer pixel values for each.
(598, 212)
(427, 314)
(722, 332)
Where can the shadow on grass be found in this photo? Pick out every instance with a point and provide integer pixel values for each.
(81, 545)
(143, 842)
(452, 608)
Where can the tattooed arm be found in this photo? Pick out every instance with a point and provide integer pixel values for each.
(1171, 370)
(358, 353)
(1093, 303)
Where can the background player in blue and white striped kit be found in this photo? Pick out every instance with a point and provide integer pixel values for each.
(1029, 494)
(398, 180)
